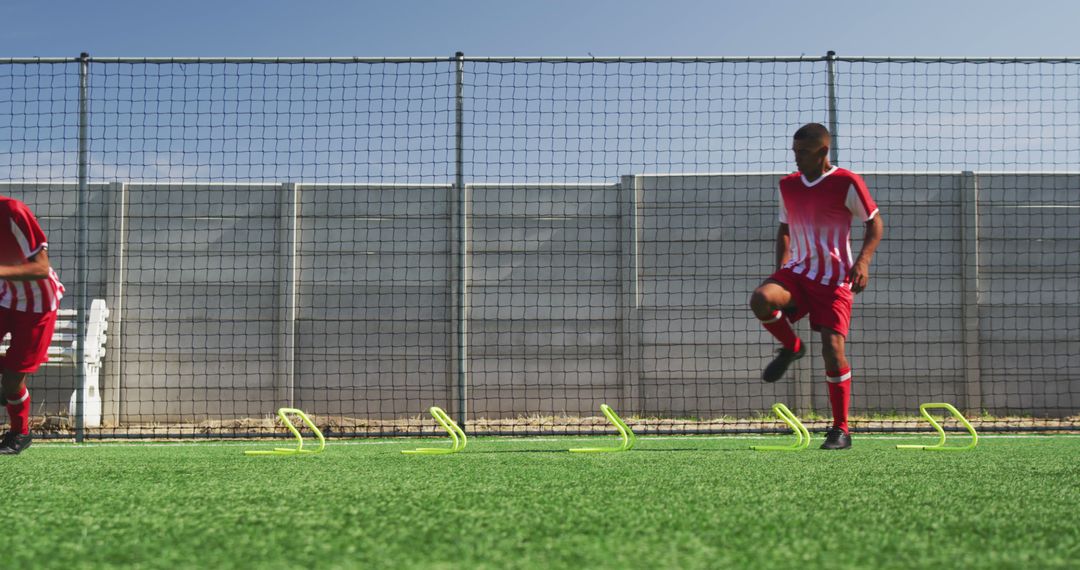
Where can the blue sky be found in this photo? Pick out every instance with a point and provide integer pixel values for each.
(553, 27)
(551, 120)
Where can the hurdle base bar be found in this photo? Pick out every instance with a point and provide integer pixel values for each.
(940, 445)
(626, 435)
(283, 413)
(802, 435)
(457, 436)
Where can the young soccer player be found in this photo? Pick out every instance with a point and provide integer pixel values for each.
(816, 274)
(30, 295)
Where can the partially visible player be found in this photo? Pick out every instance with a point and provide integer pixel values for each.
(30, 295)
(816, 274)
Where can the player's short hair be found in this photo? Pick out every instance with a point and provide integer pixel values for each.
(812, 131)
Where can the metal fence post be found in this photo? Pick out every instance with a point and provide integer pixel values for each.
(834, 148)
(82, 258)
(803, 385)
(969, 210)
(629, 323)
(116, 261)
(288, 226)
(462, 223)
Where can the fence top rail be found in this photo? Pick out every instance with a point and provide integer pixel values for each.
(362, 185)
(488, 185)
(548, 59)
(186, 60)
(956, 59)
(773, 59)
(870, 173)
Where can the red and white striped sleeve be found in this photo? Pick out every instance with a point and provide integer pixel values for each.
(859, 202)
(26, 230)
(783, 208)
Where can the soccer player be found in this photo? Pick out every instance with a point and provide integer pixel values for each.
(30, 295)
(816, 274)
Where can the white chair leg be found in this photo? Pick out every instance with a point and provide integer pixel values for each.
(91, 398)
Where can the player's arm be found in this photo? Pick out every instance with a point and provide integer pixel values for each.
(859, 274)
(783, 245)
(37, 267)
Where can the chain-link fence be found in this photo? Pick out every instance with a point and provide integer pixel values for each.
(519, 240)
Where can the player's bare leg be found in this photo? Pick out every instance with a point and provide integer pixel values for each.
(17, 399)
(768, 303)
(832, 349)
(768, 298)
(838, 374)
(13, 383)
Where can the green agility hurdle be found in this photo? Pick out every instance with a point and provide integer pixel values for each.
(283, 413)
(940, 445)
(457, 436)
(627, 439)
(802, 436)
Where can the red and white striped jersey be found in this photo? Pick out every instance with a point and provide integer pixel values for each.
(819, 216)
(21, 238)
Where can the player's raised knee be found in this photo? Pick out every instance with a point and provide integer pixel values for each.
(761, 303)
(758, 300)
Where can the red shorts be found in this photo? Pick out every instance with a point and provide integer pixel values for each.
(31, 334)
(829, 307)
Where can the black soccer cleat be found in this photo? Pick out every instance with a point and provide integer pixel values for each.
(835, 438)
(784, 357)
(14, 443)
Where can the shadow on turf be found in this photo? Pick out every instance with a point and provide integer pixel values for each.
(699, 450)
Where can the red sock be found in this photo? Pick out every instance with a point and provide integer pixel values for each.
(781, 329)
(840, 396)
(18, 409)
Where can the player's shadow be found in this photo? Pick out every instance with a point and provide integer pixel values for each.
(694, 449)
(496, 451)
(636, 450)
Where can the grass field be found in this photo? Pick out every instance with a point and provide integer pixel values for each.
(504, 503)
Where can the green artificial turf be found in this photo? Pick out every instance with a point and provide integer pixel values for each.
(503, 503)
